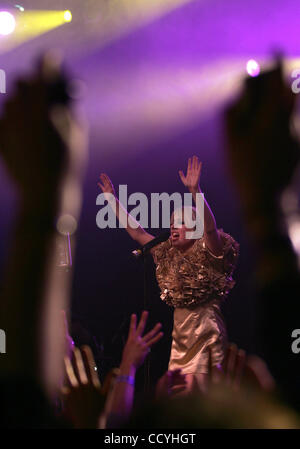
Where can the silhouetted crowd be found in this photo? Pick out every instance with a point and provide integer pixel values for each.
(47, 382)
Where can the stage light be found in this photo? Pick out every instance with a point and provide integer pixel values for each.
(32, 23)
(7, 23)
(253, 68)
(68, 16)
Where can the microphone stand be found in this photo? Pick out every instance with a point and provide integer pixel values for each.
(146, 302)
(142, 253)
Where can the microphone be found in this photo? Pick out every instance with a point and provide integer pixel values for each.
(154, 242)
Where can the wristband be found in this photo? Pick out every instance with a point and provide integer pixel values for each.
(127, 379)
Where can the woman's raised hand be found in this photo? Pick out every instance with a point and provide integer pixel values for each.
(192, 178)
(106, 185)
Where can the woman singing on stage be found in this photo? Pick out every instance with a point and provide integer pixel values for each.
(194, 276)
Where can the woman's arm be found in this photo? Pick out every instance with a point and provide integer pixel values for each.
(191, 181)
(135, 231)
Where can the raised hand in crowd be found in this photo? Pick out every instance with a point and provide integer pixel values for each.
(43, 148)
(263, 153)
(135, 351)
(83, 396)
(240, 370)
(170, 384)
(262, 149)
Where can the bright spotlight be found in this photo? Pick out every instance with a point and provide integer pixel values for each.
(7, 23)
(253, 68)
(68, 16)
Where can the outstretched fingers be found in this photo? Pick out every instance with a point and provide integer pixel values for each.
(194, 162)
(132, 327)
(154, 340)
(149, 336)
(239, 369)
(102, 183)
(90, 365)
(182, 177)
(142, 323)
(189, 165)
(199, 168)
(230, 361)
(234, 365)
(80, 368)
(70, 373)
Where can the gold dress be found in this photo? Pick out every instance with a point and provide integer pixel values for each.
(195, 283)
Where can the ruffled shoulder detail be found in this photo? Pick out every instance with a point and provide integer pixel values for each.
(198, 276)
(231, 251)
(227, 261)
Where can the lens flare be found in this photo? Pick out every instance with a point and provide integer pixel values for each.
(253, 68)
(68, 16)
(7, 23)
(20, 8)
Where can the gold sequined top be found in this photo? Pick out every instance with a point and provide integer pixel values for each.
(197, 276)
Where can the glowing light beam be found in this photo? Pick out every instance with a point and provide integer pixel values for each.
(30, 24)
